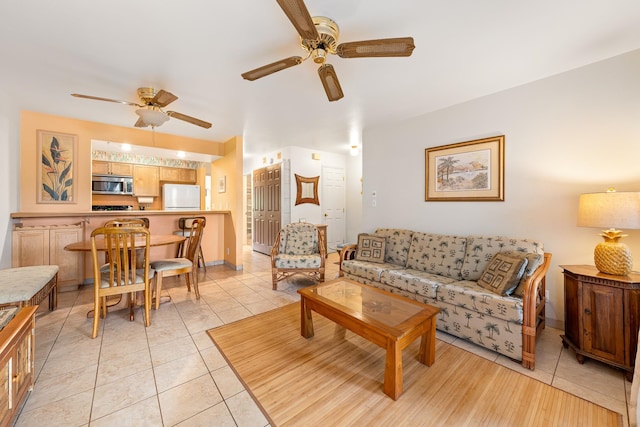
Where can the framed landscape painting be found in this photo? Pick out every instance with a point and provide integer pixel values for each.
(56, 164)
(466, 171)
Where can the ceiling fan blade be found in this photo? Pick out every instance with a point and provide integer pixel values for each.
(140, 123)
(299, 16)
(77, 95)
(265, 70)
(330, 82)
(189, 119)
(401, 46)
(163, 98)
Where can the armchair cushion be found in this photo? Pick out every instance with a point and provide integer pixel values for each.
(370, 248)
(299, 238)
(298, 261)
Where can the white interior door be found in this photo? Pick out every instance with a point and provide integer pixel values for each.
(333, 203)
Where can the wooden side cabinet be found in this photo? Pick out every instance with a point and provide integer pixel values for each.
(16, 362)
(601, 316)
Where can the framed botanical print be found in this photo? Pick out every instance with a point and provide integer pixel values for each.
(55, 173)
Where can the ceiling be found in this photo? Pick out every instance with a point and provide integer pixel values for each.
(197, 50)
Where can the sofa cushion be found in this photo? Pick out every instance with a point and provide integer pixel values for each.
(397, 247)
(533, 262)
(481, 249)
(371, 247)
(503, 273)
(365, 269)
(414, 281)
(468, 294)
(437, 254)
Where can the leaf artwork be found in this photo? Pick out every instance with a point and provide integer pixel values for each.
(57, 179)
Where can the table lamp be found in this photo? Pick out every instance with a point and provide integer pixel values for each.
(615, 210)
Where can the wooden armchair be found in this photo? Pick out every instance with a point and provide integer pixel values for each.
(299, 249)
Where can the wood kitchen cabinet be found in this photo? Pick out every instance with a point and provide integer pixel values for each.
(16, 362)
(146, 180)
(181, 175)
(44, 245)
(602, 316)
(100, 167)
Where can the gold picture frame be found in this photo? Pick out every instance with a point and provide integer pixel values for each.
(56, 159)
(466, 171)
(222, 184)
(307, 190)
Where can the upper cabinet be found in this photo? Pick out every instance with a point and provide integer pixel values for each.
(111, 168)
(178, 175)
(145, 180)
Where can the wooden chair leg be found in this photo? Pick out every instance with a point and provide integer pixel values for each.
(158, 280)
(194, 277)
(147, 307)
(96, 315)
(132, 303)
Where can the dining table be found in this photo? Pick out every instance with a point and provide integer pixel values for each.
(154, 240)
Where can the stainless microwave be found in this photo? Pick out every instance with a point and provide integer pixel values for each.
(111, 184)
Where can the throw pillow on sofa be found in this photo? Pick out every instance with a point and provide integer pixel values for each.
(371, 248)
(503, 273)
(534, 260)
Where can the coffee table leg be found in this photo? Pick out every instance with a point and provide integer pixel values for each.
(306, 321)
(427, 354)
(393, 371)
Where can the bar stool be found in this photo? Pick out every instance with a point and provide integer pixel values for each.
(185, 224)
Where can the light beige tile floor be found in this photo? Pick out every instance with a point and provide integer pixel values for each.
(171, 373)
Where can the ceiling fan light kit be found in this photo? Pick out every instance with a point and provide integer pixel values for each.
(152, 117)
(150, 108)
(319, 37)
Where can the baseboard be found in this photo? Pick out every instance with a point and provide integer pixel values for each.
(554, 323)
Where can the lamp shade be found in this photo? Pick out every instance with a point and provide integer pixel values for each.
(152, 117)
(610, 210)
(613, 210)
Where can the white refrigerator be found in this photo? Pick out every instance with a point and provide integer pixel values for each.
(180, 197)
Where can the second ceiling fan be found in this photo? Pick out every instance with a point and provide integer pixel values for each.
(319, 37)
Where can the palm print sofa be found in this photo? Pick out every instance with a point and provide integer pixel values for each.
(490, 289)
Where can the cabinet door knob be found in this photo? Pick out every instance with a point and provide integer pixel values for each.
(587, 311)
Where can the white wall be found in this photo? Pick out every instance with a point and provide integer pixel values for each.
(354, 187)
(303, 164)
(568, 134)
(9, 172)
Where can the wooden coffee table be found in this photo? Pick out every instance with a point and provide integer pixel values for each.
(391, 321)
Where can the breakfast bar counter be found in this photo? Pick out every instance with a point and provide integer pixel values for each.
(218, 247)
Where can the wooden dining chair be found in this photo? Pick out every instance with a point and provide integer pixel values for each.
(123, 247)
(187, 264)
(127, 222)
(184, 223)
